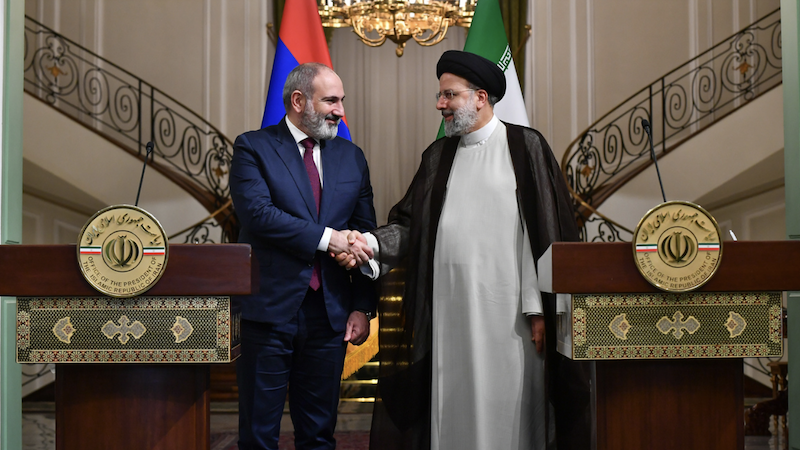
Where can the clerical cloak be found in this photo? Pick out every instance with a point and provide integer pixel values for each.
(401, 419)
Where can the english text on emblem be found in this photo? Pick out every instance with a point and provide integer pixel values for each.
(677, 246)
(122, 251)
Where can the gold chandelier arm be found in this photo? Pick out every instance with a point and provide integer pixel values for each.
(426, 22)
(435, 37)
(427, 42)
(359, 31)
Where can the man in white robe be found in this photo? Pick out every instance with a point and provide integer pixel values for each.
(473, 316)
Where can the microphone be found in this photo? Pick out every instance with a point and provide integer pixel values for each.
(646, 126)
(149, 148)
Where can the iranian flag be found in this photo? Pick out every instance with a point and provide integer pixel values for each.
(487, 38)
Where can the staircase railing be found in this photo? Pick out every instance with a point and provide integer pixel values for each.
(129, 112)
(682, 103)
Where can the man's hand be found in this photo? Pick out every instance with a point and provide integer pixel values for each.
(356, 253)
(357, 330)
(338, 242)
(537, 332)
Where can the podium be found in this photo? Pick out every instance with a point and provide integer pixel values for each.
(132, 372)
(669, 366)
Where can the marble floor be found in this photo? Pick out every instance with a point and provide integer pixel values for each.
(38, 428)
(38, 431)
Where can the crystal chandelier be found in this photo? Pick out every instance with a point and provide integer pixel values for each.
(425, 21)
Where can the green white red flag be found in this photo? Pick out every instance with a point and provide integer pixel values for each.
(487, 38)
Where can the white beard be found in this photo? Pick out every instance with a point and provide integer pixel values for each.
(464, 119)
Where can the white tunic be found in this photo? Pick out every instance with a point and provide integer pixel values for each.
(488, 380)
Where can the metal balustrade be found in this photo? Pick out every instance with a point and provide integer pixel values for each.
(680, 104)
(129, 112)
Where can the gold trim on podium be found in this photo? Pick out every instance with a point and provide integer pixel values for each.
(664, 326)
(137, 330)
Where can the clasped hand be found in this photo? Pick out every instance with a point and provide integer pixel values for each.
(349, 248)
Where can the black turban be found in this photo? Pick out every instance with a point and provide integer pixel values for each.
(475, 69)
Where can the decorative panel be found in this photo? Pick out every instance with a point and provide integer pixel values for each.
(665, 326)
(138, 330)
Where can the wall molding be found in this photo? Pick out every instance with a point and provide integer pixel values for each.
(573, 67)
(590, 62)
(38, 227)
(59, 227)
(749, 217)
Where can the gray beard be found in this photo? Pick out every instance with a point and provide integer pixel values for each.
(315, 123)
(464, 119)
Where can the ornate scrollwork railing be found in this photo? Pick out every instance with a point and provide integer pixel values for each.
(599, 229)
(129, 112)
(679, 105)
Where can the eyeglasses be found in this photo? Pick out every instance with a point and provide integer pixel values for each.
(450, 94)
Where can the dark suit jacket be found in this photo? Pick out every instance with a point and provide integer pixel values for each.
(274, 202)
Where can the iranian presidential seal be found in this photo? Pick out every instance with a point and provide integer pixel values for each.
(122, 251)
(677, 246)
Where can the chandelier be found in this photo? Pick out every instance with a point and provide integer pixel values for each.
(425, 21)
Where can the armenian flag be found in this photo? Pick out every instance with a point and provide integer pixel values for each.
(301, 40)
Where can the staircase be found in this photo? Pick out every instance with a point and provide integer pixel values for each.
(129, 112)
(680, 105)
(735, 78)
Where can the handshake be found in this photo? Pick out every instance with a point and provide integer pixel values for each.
(349, 248)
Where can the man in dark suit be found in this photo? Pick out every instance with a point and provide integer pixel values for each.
(294, 185)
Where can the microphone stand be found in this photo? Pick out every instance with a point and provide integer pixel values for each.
(149, 148)
(646, 126)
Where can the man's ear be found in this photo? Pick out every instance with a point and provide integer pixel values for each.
(298, 102)
(482, 98)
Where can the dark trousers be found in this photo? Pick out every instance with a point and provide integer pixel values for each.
(304, 357)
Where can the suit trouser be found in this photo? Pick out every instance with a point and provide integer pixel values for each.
(305, 357)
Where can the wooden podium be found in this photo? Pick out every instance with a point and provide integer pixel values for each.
(145, 386)
(666, 380)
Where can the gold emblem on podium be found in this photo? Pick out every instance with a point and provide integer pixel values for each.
(677, 246)
(122, 251)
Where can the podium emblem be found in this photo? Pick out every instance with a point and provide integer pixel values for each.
(677, 246)
(122, 251)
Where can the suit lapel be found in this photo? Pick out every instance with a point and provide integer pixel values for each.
(330, 176)
(288, 151)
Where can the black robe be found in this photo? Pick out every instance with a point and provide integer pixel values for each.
(401, 418)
